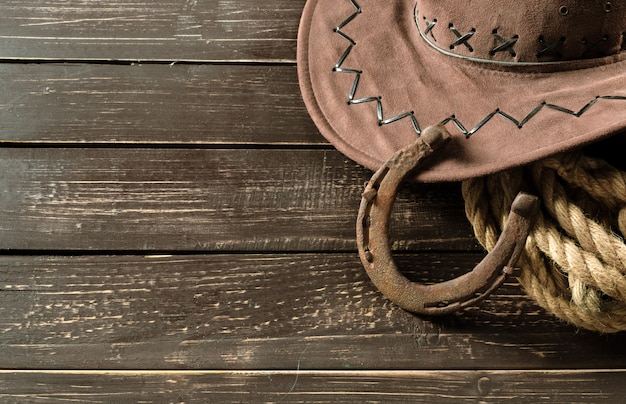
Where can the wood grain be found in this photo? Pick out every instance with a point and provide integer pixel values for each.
(145, 199)
(571, 386)
(153, 104)
(173, 228)
(243, 311)
(225, 30)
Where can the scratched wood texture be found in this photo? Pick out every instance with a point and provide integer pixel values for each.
(320, 387)
(160, 30)
(173, 228)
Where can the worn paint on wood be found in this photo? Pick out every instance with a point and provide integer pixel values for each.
(265, 311)
(322, 387)
(183, 104)
(206, 200)
(176, 127)
(225, 30)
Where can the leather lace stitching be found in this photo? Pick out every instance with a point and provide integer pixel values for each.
(410, 115)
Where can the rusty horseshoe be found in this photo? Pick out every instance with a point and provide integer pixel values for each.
(373, 239)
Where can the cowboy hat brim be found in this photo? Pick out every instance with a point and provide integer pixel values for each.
(371, 82)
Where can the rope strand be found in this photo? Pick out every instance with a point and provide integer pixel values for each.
(574, 264)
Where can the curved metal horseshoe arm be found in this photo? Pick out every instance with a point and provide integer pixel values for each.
(373, 239)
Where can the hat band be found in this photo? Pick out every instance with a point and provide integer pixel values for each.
(509, 41)
(523, 116)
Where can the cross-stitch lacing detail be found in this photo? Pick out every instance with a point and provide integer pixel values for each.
(550, 48)
(429, 28)
(504, 45)
(338, 68)
(593, 46)
(461, 38)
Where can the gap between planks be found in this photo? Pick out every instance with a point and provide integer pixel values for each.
(330, 372)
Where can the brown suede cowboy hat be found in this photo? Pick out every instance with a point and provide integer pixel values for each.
(512, 80)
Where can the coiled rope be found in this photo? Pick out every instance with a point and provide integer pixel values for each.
(574, 264)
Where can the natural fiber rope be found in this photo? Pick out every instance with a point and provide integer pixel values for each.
(574, 264)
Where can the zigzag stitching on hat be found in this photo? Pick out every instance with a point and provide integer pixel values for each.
(338, 68)
(520, 123)
(357, 77)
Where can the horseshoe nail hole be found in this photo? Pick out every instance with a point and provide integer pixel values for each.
(368, 256)
(367, 222)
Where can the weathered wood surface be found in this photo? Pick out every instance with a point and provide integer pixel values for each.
(225, 30)
(266, 311)
(212, 200)
(315, 387)
(154, 104)
(169, 215)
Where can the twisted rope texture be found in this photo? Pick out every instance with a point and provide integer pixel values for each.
(574, 264)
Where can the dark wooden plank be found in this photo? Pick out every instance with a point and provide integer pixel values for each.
(315, 387)
(306, 311)
(192, 104)
(206, 200)
(228, 30)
